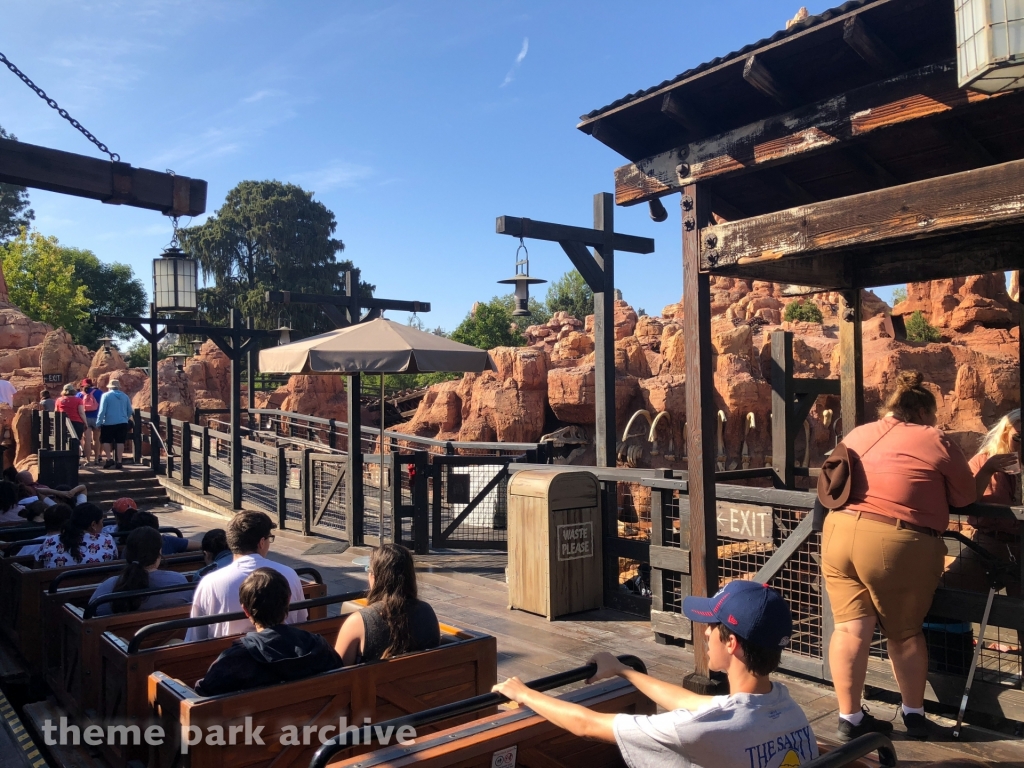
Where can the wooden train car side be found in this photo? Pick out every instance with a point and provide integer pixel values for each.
(464, 665)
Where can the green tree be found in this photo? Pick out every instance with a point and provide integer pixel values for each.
(802, 311)
(570, 293)
(268, 236)
(137, 355)
(490, 324)
(919, 329)
(15, 214)
(112, 289)
(898, 295)
(41, 280)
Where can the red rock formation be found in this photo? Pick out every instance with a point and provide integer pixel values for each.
(105, 361)
(175, 395)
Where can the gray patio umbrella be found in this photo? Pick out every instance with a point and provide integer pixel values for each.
(379, 346)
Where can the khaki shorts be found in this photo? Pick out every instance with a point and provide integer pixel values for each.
(875, 569)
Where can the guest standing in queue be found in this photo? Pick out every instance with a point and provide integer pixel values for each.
(998, 470)
(883, 552)
(113, 417)
(73, 408)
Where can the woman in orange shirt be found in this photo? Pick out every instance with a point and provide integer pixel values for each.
(72, 407)
(883, 552)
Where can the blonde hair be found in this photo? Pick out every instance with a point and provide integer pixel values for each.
(997, 440)
(909, 398)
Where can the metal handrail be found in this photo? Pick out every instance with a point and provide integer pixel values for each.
(467, 706)
(90, 608)
(217, 618)
(162, 529)
(112, 567)
(860, 747)
(12, 548)
(310, 571)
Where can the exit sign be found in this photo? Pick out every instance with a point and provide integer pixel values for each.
(744, 522)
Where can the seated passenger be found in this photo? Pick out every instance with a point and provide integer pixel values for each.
(275, 652)
(215, 552)
(249, 538)
(81, 541)
(9, 506)
(123, 510)
(758, 724)
(142, 556)
(394, 621)
(54, 519)
(172, 545)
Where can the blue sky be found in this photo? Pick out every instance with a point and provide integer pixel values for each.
(417, 123)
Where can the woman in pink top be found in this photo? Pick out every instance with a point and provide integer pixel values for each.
(882, 553)
(998, 535)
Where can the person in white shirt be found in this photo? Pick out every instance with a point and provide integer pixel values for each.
(757, 726)
(7, 392)
(249, 539)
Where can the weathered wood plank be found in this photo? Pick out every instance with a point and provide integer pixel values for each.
(866, 44)
(543, 230)
(761, 78)
(946, 205)
(916, 95)
(29, 165)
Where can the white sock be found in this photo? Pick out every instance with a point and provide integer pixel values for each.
(855, 719)
(913, 710)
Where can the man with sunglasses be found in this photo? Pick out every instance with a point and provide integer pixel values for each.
(757, 726)
(249, 539)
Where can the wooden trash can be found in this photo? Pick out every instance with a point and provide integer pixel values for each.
(554, 542)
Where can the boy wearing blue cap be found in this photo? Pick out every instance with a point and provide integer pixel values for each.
(757, 725)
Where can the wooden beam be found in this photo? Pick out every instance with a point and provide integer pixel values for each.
(866, 44)
(760, 77)
(957, 134)
(788, 187)
(941, 206)
(542, 230)
(28, 165)
(585, 264)
(835, 122)
(700, 393)
(673, 107)
(867, 166)
(851, 362)
(783, 455)
(616, 139)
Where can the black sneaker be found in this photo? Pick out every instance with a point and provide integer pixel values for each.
(848, 731)
(109, 464)
(118, 466)
(917, 726)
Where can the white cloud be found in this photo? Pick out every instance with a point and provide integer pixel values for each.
(337, 175)
(515, 65)
(258, 96)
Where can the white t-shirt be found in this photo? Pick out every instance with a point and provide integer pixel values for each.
(7, 392)
(742, 731)
(218, 593)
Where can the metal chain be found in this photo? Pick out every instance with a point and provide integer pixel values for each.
(114, 157)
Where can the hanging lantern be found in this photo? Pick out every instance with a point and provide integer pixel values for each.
(990, 44)
(284, 329)
(174, 281)
(522, 282)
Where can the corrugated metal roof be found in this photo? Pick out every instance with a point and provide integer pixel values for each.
(810, 21)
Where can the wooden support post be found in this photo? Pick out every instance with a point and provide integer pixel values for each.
(137, 436)
(700, 409)
(782, 407)
(282, 486)
(186, 454)
(420, 501)
(308, 496)
(851, 356)
(604, 334)
(154, 393)
(204, 437)
(236, 412)
(251, 366)
(354, 509)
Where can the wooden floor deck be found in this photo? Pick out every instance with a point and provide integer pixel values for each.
(468, 589)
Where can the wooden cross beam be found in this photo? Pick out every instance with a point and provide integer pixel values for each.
(347, 309)
(28, 165)
(598, 270)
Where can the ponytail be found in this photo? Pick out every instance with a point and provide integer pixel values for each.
(73, 532)
(909, 398)
(141, 551)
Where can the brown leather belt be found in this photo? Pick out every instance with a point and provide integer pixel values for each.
(893, 521)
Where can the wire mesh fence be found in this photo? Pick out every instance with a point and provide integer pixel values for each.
(470, 503)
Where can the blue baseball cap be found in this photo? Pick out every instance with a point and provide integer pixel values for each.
(752, 610)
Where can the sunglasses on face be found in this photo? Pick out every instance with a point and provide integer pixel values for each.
(1015, 437)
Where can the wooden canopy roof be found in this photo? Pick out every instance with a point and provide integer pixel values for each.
(840, 153)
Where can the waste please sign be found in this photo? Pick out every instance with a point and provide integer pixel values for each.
(575, 541)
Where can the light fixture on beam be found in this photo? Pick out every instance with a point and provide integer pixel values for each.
(284, 327)
(657, 208)
(106, 341)
(990, 44)
(522, 282)
(197, 346)
(179, 361)
(174, 279)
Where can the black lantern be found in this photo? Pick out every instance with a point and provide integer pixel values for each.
(106, 341)
(179, 361)
(522, 281)
(197, 346)
(284, 328)
(174, 279)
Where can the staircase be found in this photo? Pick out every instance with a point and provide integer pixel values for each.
(134, 481)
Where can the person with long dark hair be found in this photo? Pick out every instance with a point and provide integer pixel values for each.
(81, 541)
(142, 571)
(395, 620)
